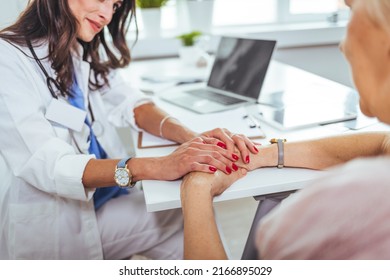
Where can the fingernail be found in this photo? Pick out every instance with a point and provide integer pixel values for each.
(222, 145)
(234, 167)
(235, 157)
(228, 170)
(247, 159)
(254, 147)
(212, 168)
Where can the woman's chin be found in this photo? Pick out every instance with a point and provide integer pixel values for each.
(86, 37)
(366, 111)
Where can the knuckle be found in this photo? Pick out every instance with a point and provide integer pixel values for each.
(190, 150)
(193, 166)
(198, 139)
(186, 158)
(208, 159)
(215, 154)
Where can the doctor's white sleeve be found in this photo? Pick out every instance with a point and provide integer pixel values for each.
(121, 99)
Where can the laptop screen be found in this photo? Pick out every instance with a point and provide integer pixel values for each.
(240, 65)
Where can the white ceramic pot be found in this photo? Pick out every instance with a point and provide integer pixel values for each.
(200, 14)
(189, 55)
(151, 19)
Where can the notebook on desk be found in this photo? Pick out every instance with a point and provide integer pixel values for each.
(235, 80)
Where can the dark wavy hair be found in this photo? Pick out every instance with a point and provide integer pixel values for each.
(52, 22)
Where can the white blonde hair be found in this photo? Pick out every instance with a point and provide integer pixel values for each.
(379, 11)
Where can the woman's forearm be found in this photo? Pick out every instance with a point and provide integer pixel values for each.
(100, 172)
(325, 152)
(201, 237)
(149, 117)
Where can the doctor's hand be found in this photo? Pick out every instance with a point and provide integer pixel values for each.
(196, 155)
(235, 144)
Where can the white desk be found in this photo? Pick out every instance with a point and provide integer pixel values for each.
(161, 195)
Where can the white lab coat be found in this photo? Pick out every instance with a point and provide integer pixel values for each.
(45, 212)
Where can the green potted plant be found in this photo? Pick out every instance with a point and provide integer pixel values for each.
(146, 4)
(188, 39)
(151, 16)
(189, 52)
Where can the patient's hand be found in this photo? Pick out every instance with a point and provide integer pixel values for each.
(215, 183)
(252, 161)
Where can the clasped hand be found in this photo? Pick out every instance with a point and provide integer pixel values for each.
(213, 150)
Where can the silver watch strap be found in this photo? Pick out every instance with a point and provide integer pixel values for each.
(280, 153)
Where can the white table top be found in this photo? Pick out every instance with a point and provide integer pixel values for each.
(162, 195)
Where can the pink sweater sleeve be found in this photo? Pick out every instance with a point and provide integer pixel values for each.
(345, 215)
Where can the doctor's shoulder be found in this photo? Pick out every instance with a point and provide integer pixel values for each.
(11, 53)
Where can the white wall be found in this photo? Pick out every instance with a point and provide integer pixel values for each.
(9, 11)
(324, 60)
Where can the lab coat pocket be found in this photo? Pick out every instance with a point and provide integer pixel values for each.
(34, 231)
(79, 141)
(62, 133)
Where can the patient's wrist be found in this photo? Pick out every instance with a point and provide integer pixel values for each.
(199, 182)
(267, 156)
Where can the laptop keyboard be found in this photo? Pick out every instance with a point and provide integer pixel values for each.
(217, 97)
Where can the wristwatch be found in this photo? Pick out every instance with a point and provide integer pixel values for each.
(122, 175)
(280, 143)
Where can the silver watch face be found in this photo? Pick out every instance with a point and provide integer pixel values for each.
(122, 177)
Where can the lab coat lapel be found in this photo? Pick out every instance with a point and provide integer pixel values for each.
(82, 70)
(84, 78)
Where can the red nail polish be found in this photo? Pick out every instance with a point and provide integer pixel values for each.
(247, 159)
(254, 147)
(212, 168)
(222, 145)
(234, 167)
(235, 157)
(228, 170)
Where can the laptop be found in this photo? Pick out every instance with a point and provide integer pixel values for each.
(235, 80)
